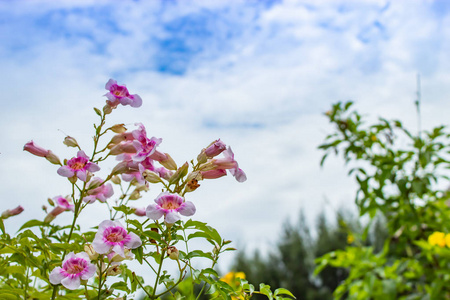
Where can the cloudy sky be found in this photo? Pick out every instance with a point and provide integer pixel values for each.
(257, 74)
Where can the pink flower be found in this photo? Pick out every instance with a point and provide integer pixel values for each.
(215, 148)
(144, 146)
(229, 163)
(170, 206)
(78, 166)
(41, 152)
(102, 192)
(34, 149)
(62, 205)
(74, 267)
(65, 203)
(118, 94)
(12, 212)
(112, 236)
(139, 212)
(213, 174)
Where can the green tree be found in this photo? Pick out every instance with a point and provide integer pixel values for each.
(402, 177)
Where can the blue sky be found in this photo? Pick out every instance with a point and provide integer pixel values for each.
(257, 74)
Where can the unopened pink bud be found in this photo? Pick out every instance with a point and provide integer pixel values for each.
(34, 149)
(12, 212)
(213, 174)
(164, 159)
(54, 213)
(215, 148)
(139, 212)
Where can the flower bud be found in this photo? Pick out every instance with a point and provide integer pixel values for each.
(125, 147)
(135, 195)
(35, 150)
(169, 163)
(139, 212)
(180, 173)
(118, 128)
(116, 179)
(89, 249)
(51, 202)
(53, 214)
(114, 270)
(120, 168)
(70, 141)
(215, 148)
(151, 176)
(107, 109)
(213, 174)
(172, 252)
(12, 212)
(51, 157)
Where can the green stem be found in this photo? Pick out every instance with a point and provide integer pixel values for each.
(163, 253)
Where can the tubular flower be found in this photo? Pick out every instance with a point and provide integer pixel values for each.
(226, 163)
(102, 192)
(112, 236)
(170, 206)
(74, 267)
(144, 146)
(35, 149)
(41, 152)
(63, 204)
(118, 94)
(12, 212)
(78, 166)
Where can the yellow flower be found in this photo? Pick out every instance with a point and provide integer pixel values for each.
(231, 277)
(447, 239)
(438, 238)
(350, 239)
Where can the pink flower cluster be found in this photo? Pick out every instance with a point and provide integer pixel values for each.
(137, 153)
(216, 167)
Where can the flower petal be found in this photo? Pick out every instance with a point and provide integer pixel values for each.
(172, 217)
(137, 101)
(56, 276)
(119, 250)
(134, 241)
(100, 246)
(92, 167)
(187, 208)
(71, 283)
(153, 212)
(82, 175)
(110, 83)
(65, 171)
(90, 272)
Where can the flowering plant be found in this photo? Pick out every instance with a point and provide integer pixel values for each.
(45, 260)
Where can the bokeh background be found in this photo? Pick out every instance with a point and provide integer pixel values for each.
(257, 74)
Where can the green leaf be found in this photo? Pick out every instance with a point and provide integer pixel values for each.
(282, 291)
(139, 252)
(2, 226)
(33, 223)
(97, 111)
(120, 286)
